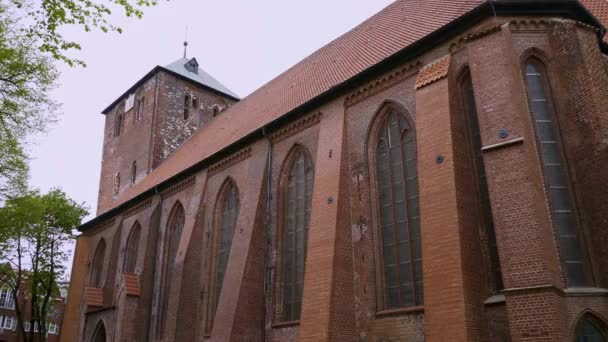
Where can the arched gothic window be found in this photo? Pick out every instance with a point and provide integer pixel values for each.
(399, 213)
(296, 200)
(474, 138)
(588, 330)
(227, 212)
(187, 106)
(131, 249)
(97, 264)
(100, 333)
(555, 171)
(173, 233)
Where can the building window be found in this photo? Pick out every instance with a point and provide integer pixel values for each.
(587, 330)
(8, 322)
(96, 279)
(132, 249)
(194, 103)
(52, 328)
(117, 184)
(139, 110)
(398, 211)
(560, 197)
(133, 172)
(7, 301)
(100, 333)
(119, 125)
(216, 110)
(187, 107)
(227, 212)
(483, 195)
(175, 226)
(295, 201)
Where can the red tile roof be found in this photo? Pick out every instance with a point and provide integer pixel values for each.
(131, 284)
(396, 27)
(433, 72)
(94, 296)
(599, 9)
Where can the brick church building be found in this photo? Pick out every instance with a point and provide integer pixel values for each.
(438, 173)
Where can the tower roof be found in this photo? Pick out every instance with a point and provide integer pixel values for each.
(189, 69)
(184, 68)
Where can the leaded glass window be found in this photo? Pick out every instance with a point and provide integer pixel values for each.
(589, 331)
(296, 204)
(173, 234)
(132, 249)
(100, 333)
(399, 213)
(555, 172)
(97, 264)
(227, 216)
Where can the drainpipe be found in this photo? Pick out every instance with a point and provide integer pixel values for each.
(267, 267)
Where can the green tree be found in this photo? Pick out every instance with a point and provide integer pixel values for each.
(31, 43)
(34, 231)
(13, 168)
(26, 77)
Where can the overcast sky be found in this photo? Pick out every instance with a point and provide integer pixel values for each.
(243, 44)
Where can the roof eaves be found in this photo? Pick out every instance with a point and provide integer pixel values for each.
(131, 89)
(152, 73)
(442, 34)
(217, 91)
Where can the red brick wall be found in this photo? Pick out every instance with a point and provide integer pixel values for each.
(133, 144)
(326, 249)
(446, 312)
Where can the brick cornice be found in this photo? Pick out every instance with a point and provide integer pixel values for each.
(178, 187)
(103, 226)
(531, 23)
(471, 36)
(138, 207)
(229, 161)
(381, 83)
(295, 127)
(536, 23)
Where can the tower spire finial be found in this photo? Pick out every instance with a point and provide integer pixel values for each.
(186, 43)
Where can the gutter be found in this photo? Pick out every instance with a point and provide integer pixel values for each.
(571, 9)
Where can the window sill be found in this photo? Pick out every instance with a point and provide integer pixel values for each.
(279, 325)
(585, 291)
(495, 299)
(403, 311)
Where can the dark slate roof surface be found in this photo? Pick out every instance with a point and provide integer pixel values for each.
(179, 67)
